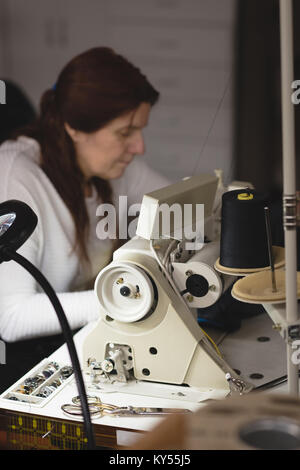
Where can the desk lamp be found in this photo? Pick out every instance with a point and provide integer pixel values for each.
(17, 222)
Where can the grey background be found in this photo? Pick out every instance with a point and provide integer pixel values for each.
(185, 47)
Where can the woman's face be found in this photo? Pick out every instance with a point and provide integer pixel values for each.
(106, 153)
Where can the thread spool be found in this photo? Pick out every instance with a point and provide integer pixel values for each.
(243, 230)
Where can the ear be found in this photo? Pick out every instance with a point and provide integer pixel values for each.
(76, 136)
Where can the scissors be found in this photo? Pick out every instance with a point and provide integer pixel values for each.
(97, 407)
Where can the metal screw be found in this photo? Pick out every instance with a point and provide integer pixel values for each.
(90, 361)
(212, 288)
(188, 273)
(120, 280)
(107, 365)
(189, 298)
(277, 326)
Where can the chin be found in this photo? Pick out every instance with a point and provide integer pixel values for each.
(117, 173)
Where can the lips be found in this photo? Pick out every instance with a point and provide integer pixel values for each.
(125, 162)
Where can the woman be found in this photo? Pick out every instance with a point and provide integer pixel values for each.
(78, 154)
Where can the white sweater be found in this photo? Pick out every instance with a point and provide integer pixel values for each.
(25, 311)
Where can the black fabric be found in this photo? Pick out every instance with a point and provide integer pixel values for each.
(22, 356)
(227, 313)
(18, 111)
(257, 90)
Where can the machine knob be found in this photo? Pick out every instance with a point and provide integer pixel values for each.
(125, 292)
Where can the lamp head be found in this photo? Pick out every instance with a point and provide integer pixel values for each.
(17, 222)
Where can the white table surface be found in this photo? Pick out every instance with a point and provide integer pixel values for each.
(52, 408)
(149, 397)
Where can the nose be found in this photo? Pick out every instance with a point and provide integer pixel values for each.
(137, 145)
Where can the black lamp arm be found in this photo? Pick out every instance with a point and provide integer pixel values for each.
(42, 281)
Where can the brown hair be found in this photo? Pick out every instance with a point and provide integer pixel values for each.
(93, 88)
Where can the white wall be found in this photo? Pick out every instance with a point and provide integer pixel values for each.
(185, 47)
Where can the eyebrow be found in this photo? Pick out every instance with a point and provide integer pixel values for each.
(130, 126)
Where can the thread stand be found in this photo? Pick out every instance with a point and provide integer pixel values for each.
(289, 183)
(269, 239)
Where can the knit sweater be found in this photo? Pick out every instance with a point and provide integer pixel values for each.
(25, 311)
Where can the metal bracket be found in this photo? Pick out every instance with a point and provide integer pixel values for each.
(290, 212)
(236, 385)
(114, 367)
(293, 332)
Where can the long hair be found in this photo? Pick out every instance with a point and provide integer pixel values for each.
(94, 88)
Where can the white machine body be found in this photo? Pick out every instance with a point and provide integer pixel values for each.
(163, 340)
(147, 330)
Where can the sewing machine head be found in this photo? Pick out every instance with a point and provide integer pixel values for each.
(147, 330)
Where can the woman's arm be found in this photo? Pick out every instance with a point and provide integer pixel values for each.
(25, 311)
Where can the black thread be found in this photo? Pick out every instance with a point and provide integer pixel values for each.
(243, 230)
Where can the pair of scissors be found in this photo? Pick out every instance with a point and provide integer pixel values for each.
(97, 407)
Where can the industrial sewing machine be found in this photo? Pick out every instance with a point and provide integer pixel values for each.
(148, 294)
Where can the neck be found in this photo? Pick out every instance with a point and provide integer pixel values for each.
(88, 189)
